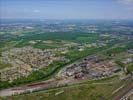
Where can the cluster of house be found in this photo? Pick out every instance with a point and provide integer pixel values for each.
(81, 47)
(10, 74)
(25, 60)
(127, 60)
(90, 67)
(130, 58)
(130, 51)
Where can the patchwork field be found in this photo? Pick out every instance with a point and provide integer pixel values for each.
(84, 62)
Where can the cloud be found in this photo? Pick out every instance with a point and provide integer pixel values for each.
(36, 11)
(126, 2)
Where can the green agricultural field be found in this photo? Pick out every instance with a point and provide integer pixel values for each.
(88, 38)
(22, 44)
(41, 45)
(72, 36)
(2, 44)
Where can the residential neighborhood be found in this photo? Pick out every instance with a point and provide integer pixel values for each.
(26, 60)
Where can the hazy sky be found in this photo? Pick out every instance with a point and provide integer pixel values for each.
(67, 9)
